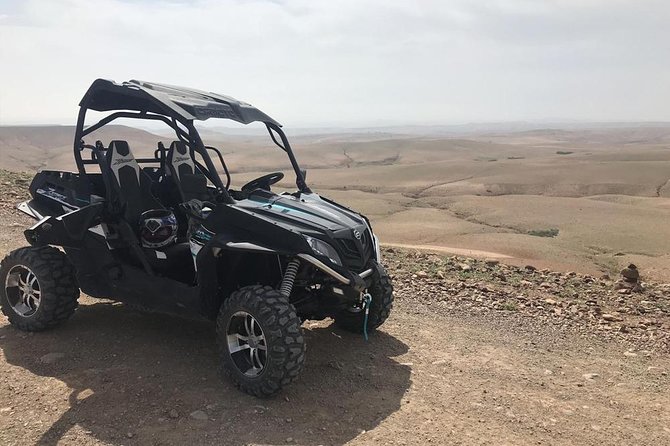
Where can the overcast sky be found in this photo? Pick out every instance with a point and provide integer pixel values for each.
(351, 62)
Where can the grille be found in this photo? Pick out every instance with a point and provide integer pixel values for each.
(355, 253)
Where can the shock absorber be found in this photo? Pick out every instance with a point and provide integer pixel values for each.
(289, 277)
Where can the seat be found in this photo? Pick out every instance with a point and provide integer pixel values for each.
(131, 185)
(190, 182)
(131, 189)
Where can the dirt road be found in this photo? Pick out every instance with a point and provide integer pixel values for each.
(430, 376)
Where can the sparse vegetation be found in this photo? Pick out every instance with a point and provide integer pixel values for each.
(551, 232)
(564, 152)
(510, 306)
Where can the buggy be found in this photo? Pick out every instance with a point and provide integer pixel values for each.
(165, 233)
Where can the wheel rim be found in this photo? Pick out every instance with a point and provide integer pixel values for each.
(246, 344)
(23, 290)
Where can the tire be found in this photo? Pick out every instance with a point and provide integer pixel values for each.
(382, 302)
(276, 322)
(50, 276)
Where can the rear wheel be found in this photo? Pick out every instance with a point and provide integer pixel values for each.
(260, 340)
(352, 319)
(38, 288)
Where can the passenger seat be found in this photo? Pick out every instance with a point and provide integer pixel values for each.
(190, 182)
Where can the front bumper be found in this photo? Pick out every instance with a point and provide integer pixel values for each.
(357, 281)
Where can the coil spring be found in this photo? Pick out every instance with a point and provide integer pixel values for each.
(289, 277)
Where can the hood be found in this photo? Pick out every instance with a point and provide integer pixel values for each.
(308, 214)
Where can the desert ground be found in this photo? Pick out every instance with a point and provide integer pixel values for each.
(479, 349)
(475, 353)
(591, 200)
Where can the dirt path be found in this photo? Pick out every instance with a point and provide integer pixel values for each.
(128, 378)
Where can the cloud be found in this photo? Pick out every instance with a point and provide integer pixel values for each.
(348, 62)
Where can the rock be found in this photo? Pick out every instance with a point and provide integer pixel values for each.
(130, 435)
(421, 274)
(629, 354)
(530, 268)
(173, 414)
(590, 376)
(491, 262)
(199, 415)
(550, 301)
(611, 318)
(465, 267)
(51, 358)
(337, 365)
(631, 273)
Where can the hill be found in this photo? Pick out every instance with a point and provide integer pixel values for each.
(590, 199)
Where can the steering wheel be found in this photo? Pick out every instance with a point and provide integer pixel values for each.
(263, 182)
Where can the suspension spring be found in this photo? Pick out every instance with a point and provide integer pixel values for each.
(289, 277)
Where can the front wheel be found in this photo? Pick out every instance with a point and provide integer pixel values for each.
(353, 319)
(38, 288)
(260, 340)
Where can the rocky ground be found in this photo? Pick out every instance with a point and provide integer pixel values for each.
(638, 316)
(475, 353)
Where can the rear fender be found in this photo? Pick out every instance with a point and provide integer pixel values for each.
(67, 230)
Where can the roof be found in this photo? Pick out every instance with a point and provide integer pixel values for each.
(183, 104)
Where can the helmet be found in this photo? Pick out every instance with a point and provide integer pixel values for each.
(158, 228)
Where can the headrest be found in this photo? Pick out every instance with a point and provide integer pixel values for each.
(179, 159)
(120, 147)
(120, 156)
(179, 146)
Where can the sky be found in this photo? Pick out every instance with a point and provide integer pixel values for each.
(348, 62)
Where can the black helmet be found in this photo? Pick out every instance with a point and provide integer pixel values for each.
(158, 228)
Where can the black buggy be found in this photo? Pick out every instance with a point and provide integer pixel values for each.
(165, 233)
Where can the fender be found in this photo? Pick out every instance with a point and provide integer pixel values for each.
(67, 230)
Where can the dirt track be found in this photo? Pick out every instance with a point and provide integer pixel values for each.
(429, 376)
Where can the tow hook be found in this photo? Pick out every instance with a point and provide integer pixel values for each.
(367, 301)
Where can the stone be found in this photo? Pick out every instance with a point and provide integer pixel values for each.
(337, 365)
(590, 376)
(199, 415)
(611, 318)
(173, 414)
(491, 262)
(530, 268)
(631, 273)
(465, 267)
(51, 358)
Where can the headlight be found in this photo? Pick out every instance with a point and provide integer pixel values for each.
(322, 248)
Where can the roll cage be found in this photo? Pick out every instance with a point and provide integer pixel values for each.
(178, 107)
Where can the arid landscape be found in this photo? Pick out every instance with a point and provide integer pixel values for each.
(591, 200)
(504, 246)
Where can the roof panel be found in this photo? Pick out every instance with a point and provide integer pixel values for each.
(183, 104)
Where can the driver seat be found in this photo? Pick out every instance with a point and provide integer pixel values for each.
(190, 182)
(131, 185)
